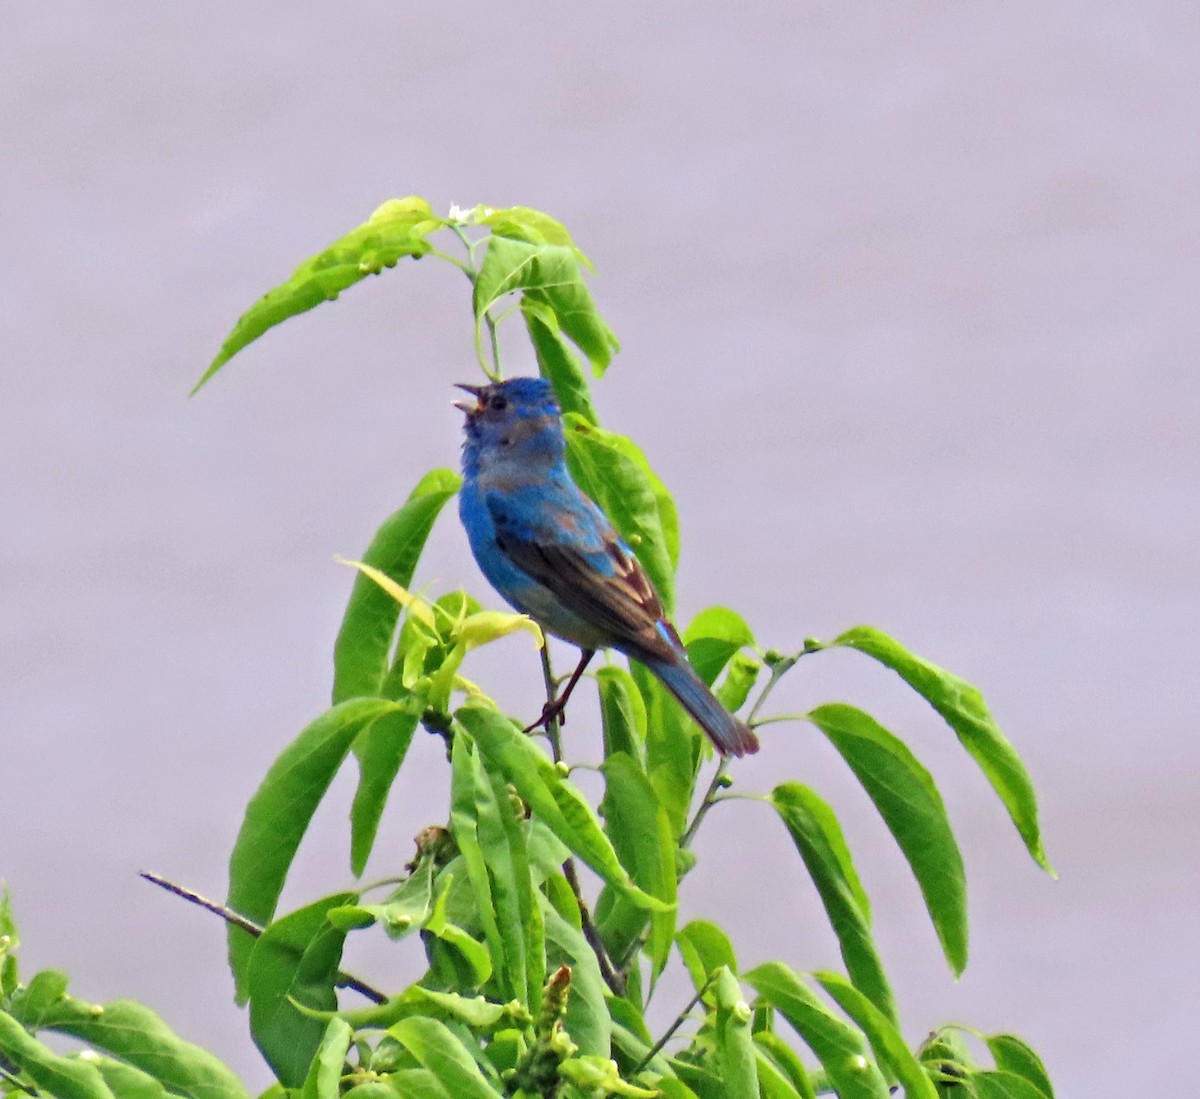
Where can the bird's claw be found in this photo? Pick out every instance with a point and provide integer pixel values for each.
(550, 711)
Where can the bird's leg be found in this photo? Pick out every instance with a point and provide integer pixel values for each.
(555, 707)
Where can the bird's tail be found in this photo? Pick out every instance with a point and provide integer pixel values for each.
(729, 734)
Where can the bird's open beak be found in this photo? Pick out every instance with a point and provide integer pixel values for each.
(475, 391)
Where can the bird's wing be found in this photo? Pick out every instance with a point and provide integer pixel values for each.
(575, 554)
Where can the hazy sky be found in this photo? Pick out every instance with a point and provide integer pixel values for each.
(907, 294)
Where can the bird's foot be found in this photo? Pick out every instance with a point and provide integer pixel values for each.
(550, 711)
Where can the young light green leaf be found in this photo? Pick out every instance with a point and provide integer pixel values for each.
(784, 1058)
(135, 1034)
(1014, 1055)
(380, 748)
(532, 226)
(904, 793)
(437, 1049)
(712, 637)
(279, 813)
(396, 229)
(360, 654)
(735, 1046)
(963, 709)
(556, 362)
(883, 1034)
(1003, 1085)
(641, 834)
(599, 1076)
(614, 472)
(705, 948)
(818, 837)
(550, 796)
(622, 713)
(550, 275)
(329, 1064)
(295, 959)
(58, 1076)
(842, 1050)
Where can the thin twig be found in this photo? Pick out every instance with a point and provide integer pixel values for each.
(20, 1084)
(236, 919)
(192, 897)
(657, 1048)
(610, 975)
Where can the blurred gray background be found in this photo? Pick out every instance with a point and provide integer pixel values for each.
(907, 294)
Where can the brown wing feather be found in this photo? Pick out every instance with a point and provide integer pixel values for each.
(626, 604)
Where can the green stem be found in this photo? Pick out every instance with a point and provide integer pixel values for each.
(707, 802)
(465, 268)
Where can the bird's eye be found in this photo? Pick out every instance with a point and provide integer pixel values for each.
(497, 404)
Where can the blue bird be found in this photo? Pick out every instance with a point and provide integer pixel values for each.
(554, 555)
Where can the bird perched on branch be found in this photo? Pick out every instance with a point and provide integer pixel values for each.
(554, 555)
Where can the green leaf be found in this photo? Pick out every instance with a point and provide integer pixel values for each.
(735, 1046)
(45, 989)
(963, 709)
(492, 842)
(295, 958)
(674, 1089)
(904, 793)
(437, 1049)
(381, 748)
(773, 1083)
(712, 638)
(614, 472)
(705, 948)
(473, 953)
(784, 1058)
(556, 362)
(127, 1082)
(360, 654)
(587, 1019)
(1003, 1085)
(641, 834)
(550, 796)
(279, 813)
(674, 745)
(61, 1077)
(885, 1038)
(622, 713)
(135, 1034)
(1015, 1056)
(548, 274)
(818, 837)
(10, 940)
(739, 681)
(841, 1049)
(409, 1083)
(329, 1065)
(397, 229)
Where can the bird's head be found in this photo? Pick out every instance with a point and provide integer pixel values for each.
(517, 420)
